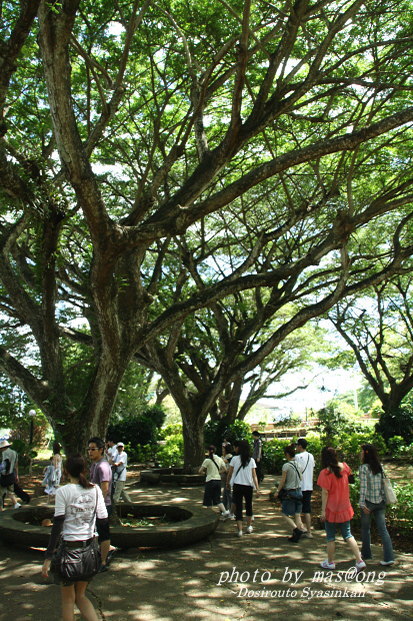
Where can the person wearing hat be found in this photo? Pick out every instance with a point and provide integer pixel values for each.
(305, 462)
(8, 474)
(120, 461)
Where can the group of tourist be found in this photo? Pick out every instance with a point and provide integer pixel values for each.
(239, 472)
(83, 507)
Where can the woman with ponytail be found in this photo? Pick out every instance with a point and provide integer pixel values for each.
(372, 503)
(213, 466)
(336, 509)
(79, 505)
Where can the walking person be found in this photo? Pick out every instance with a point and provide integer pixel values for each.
(213, 466)
(257, 455)
(120, 462)
(57, 464)
(226, 492)
(242, 477)
(9, 474)
(305, 462)
(336, 509)
(53, 472)
(372, 504)
(79, 507)
(111, 449)
(101, 475)
(289, 492)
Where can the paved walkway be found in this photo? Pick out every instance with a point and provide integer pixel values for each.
(258, 576)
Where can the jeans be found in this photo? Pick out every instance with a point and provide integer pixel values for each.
(378, 512)
(331, 528)
(227, 497)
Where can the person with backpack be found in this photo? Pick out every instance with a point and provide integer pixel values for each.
(213, 466)
(242, 477)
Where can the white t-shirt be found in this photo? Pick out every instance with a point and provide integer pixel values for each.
(111, 452)
(121, 457)
(77, 504)
(213, 474)
(11, 455)
(242, 476)
(305, 462)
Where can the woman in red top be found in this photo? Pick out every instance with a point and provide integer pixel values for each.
(336, 509)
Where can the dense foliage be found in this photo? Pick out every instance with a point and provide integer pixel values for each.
(139, 431)
(186, 185)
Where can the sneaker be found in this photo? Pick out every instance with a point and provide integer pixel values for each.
(386, 563)
(231, 516)
(110, 555)
(225, 514)
(361, 565)
(17, 505)
(249, 529)
(327, 565)
(102, 569)
(296, 536)
(240, 533)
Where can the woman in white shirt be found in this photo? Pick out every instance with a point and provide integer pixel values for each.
(78, 505)
(242, 477)
(213, 466)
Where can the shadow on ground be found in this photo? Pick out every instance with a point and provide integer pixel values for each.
(258, 576)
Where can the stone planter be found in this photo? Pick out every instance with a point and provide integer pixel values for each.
(171, 476)
(184, 526)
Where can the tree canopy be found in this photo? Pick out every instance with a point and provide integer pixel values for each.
(379, 330)
(160, 158)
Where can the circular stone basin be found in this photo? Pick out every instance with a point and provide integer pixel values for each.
(170, 476)
(165, 526)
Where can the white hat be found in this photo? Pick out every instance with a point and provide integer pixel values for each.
(120, 444)
(4, 444)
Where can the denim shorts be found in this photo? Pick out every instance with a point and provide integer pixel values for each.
(331, 528)
(289, 506)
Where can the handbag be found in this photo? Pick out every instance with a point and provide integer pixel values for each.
(295, 494)
(282, 494)
(290, 494)
(73, 564)
(389, 493)
(77, 564)
(7, 479)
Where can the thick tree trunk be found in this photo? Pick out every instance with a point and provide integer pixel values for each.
(193, 433)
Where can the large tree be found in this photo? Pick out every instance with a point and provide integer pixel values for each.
(379, 330)
(134, 131)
